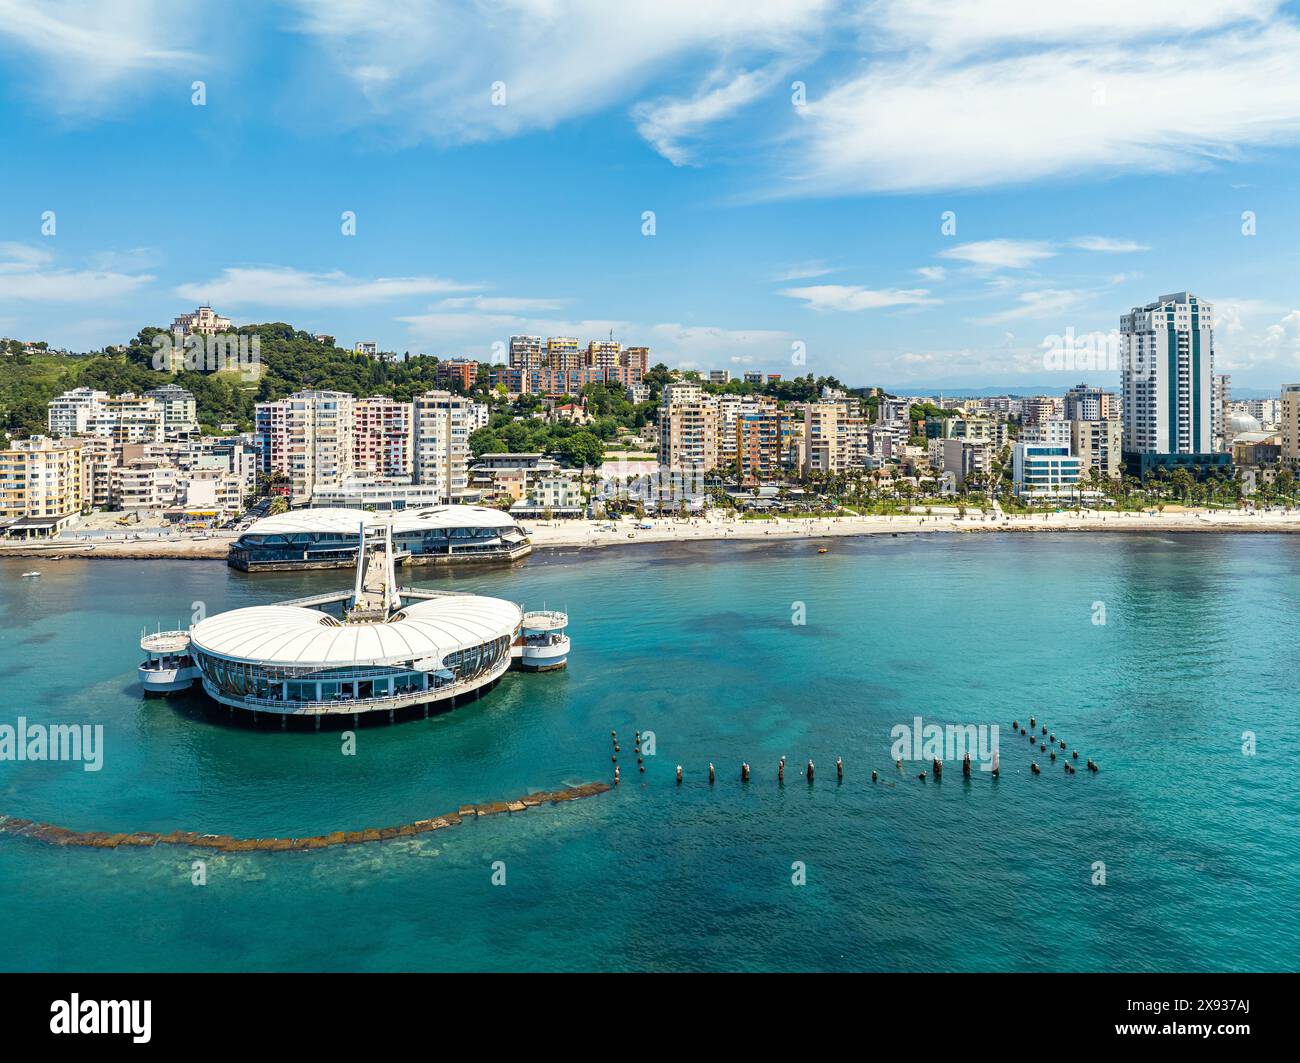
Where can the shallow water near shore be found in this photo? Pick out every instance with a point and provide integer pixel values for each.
(1201, 843)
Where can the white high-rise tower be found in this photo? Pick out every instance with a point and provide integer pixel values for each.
(1167, 379)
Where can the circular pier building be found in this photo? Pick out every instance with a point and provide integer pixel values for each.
(292, 659)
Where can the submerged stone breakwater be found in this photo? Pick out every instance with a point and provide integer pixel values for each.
(55, 835)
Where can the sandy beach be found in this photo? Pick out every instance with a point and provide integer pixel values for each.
(589, 533)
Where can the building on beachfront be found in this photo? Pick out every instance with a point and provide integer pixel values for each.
(758, 435)
(142, 483)
(688, 427)
(308, 437)
(963, 458)
(328, 537)
(551, 496)
(1289, 423)
(1043, 470)
(366, 490)
(1167, 385)
(1098, 445)
(820, 438)
(510, 477)
(40, 485)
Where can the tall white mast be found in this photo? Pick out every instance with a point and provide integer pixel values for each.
(392, 600)
(361, 562)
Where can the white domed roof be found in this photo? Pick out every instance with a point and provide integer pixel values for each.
(294, 636)
(1242, 422)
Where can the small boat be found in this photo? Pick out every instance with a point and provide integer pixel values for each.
(821, 549)
(29, 574)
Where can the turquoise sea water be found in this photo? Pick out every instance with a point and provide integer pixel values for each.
(1201, 844)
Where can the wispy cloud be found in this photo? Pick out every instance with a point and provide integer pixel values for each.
(848, 297)
(26, 275)
(666, 123)
(1000, 254)
(293, 288)
(803, 271)
(80, 49)
(1042, 303)
(1107, 244)
(1041, 92)
(428, 66)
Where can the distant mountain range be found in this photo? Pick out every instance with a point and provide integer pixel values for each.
(1045, 389)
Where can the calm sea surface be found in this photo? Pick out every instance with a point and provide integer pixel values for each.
(1201, 843)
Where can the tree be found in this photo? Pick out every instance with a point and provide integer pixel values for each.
(585, 449)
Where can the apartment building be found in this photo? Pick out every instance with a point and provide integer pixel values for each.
(441, 429)
(527, 352)
(1289, 423)
(1043, 470)
(758, 434)
(456, 372)
(1167, 376)
(1086, 403)
(69, 414)
(179, 410)
(309, 437)
(688, 427)
(128, 418)
(384, 436)
(40, 484)
(1098, 444)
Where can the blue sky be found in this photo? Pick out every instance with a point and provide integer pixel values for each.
(1093, 159)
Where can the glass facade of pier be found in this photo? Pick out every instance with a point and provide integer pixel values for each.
(307, 548)
(243, 680)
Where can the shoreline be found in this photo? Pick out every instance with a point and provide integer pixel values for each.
(580, 534)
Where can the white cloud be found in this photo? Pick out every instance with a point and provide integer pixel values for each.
(932, 273)
(803, 271)
(959, 26)
(25, 275)
(1043, 303)
(16, 256)
(499, 304)
(283, 286)
(666, 122)
(926, 120)
(1107, 244)
(85, 48)
(429, 65)
(851, 297)
(711, 345)
(1000, 254)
